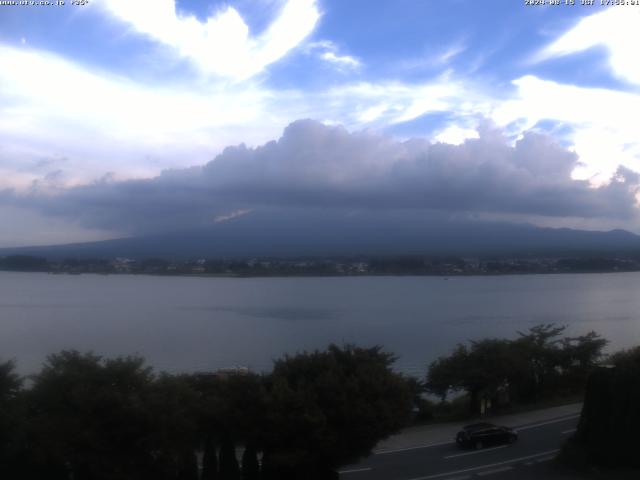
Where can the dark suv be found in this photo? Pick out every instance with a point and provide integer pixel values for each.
(480, 435)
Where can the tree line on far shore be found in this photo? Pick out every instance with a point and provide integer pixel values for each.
(84, 417)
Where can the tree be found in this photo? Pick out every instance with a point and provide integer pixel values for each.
(10, 382)
(209, 460)
(171, 405)
(330, 408)
(539, 356)
(24, 263)
(537, 364)
(488, 373)
(231, 412)
(11, 420)
(89, 416)
(446, 374)
(580, 356)
(188, 467)
(627, 359)
(608, 428)
(482, 371)
(96, 419)
(229, 467)
(585, 351)
(250, 465)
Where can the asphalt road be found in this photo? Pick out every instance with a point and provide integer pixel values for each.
(537, 443)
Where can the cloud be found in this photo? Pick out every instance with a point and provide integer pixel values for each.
(390, 103)
(442, 56)
(328, 51)
(104, 123)
(318, 166)
(340, 60)
(27, 223)
(455, 135)
(100, 122)
(222, 45)
(605, 129)
(53, 108)
(615, 28)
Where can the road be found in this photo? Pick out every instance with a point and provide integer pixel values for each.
(538, 443)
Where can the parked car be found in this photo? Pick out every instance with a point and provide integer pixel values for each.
(480, 435)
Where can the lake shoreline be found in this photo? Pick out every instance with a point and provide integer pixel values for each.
(328, 275)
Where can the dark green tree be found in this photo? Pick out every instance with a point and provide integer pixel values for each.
(537, 364)
(209, 460)
(583, 352)
(580, 356)
(488, 373)
(482, 370)
(24, 263)
(250, 465)
(446, 374)
(171, 406)
(539, 356)
(610, 420)
(12, 420)
(330, 408)
(229, 467)
(188, 466)
(105, 419)
(89, 416)
(231, 412)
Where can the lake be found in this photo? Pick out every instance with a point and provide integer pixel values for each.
(183, 324)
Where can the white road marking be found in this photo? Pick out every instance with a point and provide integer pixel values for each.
(569, 431)
(557, 420)
(475, 452)
(495, 470)
(384, 452)
(497, 464)
(355, 470)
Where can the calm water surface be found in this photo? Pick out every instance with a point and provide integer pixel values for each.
(188, 323)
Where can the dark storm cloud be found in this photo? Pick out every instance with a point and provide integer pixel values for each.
(314, 165)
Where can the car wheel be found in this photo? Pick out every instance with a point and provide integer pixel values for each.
(478, 445)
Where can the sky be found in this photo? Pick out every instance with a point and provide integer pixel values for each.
(129, 117)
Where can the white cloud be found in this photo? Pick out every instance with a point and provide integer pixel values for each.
(104, 123)
(391, 103)
(341, 60)
(616, 28)
(450, 53)
(100, 123)
(373, 113)
(50, 107)
(328, 51)
(438, 58)
(223, 44)
(455, 135)
(605, 123)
